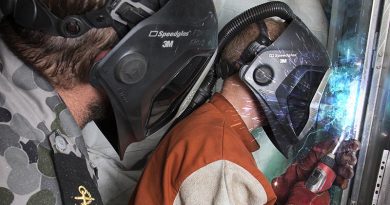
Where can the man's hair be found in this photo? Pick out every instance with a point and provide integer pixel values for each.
(63, 61)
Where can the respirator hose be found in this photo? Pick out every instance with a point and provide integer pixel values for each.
(255, 14)
(202, 95)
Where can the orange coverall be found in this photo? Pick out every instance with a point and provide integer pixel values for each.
(205, 159)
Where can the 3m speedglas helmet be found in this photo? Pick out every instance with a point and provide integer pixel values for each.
(287, 76)
(151, 75)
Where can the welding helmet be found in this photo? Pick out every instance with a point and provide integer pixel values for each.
(154, 70)
(287, 76)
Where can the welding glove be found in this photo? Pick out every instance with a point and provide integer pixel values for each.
(290, 187)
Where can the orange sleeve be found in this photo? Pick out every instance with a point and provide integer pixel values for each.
(208, 150)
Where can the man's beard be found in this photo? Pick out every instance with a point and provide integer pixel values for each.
(102, 114)
(96, 111)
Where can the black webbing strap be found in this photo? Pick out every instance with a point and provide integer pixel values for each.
(77, 186)
(131, 14)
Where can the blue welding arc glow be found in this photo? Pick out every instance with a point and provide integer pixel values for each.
(350, 106)
(339, 102)
(348, 55)
(350, 109)
(339, 110)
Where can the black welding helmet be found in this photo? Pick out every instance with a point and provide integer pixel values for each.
(151, 74)
(287, 76)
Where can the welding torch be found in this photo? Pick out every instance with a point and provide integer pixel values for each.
(323, 176)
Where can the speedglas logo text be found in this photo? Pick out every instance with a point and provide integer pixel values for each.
(163, 34)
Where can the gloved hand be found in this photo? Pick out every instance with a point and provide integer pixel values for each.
(290, 188)
(300, 195)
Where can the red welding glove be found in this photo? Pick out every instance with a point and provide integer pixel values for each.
(300, 195)
(286, 186)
